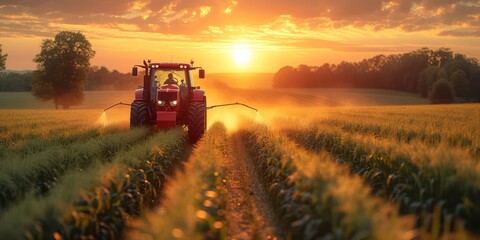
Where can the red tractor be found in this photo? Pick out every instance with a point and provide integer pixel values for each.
(169, 98)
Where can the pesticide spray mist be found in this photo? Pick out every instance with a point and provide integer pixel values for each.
(102, 120)
(259, 117)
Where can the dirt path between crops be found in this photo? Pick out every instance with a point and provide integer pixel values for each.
(249, 214)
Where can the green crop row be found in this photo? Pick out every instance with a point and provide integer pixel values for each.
(16, 125)
(102, 212)
(42, 171)
(419, 177)
(315, 197)
(195, 208)
(409, 134)
(95, 202)
(34, 145)
(451, 126)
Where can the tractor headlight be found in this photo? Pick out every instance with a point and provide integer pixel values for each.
(173, 103)
(161, 103)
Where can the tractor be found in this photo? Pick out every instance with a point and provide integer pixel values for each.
(170, 98)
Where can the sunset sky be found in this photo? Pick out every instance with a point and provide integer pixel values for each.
(240, 35)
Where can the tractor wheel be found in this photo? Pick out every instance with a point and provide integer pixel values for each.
(139, 114)
(196, 121)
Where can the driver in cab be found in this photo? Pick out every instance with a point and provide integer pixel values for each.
(170, 79)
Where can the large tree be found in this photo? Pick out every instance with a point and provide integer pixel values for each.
(3, 59)
(62, 67)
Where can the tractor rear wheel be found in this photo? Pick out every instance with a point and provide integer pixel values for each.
(139, 114)
(197, 121)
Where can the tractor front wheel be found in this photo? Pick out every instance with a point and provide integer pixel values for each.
(197, 121)
(139, 114)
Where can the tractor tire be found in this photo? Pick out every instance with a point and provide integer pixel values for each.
(139, 114)
(197, 121)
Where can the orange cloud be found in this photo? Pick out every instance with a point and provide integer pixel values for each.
(177, 16)
(306, 28)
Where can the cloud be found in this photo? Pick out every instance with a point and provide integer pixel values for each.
(197, 17)
(84, 7)
(461, 32)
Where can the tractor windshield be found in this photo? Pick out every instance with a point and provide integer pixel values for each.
(176, 77)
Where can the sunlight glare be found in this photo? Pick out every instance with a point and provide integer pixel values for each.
(241, 54)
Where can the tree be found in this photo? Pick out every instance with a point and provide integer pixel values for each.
(428, 77)
(410, 65)
(345, 74)
(62, 67)
(442, 92)
(284, 78)
(460, 84)
(3, 59)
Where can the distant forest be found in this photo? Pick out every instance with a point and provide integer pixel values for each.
(422, 71)
(99, 78)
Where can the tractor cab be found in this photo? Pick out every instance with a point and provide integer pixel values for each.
(169, 98)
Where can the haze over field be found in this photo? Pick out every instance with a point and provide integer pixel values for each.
(240, 35)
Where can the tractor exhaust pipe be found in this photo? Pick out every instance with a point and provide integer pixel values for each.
(230, 104)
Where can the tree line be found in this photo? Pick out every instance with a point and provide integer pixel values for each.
(15, 81)
(64, 72)
(98, 78)
(440, 75)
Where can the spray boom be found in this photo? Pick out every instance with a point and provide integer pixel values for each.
(209, 107)
(116, 104)
(230, 104)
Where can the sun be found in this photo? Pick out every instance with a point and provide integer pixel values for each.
(241, 54)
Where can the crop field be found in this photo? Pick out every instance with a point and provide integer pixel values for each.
(316, 171)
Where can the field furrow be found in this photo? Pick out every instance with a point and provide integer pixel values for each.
(249, 214)
(195, 206)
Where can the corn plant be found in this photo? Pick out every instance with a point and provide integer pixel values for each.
(42, 171)
(96, 202)
(196, 206)
(101, 212)
(422, 174)
(315, 197)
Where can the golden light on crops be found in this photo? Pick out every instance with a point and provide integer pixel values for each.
(201, 214)
(241, 54)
